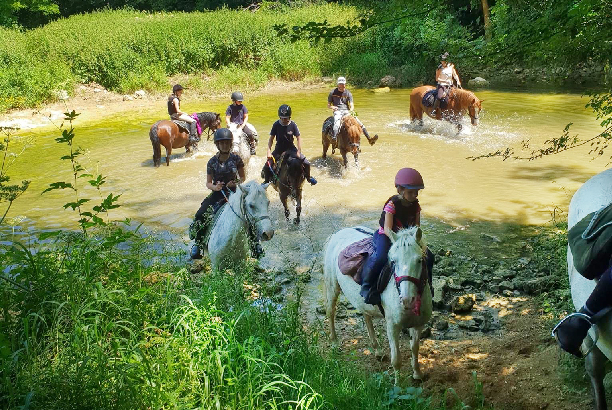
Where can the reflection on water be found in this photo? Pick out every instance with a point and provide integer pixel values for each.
(457, 189)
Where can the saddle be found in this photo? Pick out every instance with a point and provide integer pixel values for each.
(429, 98)
(182, 125)
(590, 241)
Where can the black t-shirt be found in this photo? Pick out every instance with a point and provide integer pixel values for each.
(284, 136)
(341, 100)
(171, 108)
(236, 113)
(224, 171)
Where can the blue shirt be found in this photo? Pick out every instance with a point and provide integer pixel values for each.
(236, 113)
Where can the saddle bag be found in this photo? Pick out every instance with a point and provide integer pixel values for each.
(429, 98)
(590, 241)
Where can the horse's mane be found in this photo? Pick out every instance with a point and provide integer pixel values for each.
(464, 98)
(352, 127)
(407, 238)
(208, 116)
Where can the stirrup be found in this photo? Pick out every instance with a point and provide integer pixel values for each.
(578, 353)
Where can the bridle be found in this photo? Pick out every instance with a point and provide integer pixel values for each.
(250, 220)
(419, 283)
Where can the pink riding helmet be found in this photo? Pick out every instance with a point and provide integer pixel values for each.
(409, 178)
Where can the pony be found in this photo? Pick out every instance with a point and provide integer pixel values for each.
(459, 100)
(289, 182)
(246, 209)
(592, 195)
(240, 145)
(401, 304)
(348, 138)
(168, 134)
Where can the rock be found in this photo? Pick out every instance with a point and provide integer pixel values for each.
(140, 94)
(506, 285)
(97, 90)
(328, 79)
(128, 98)
(320, 310)
(539, 285)
(490, 238)
(463, 303)
(518, 70)
(469, 325)
(61, 95)
(426, 332)
(439, 287)
(387, 81)
(381, 90)
(508, 293)
(478, 82)
(440, 324)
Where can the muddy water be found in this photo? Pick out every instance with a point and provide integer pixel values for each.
(457, 192)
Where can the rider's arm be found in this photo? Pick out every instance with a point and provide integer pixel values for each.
(438, 71)
(244, 121)
(388, 223)
(456, 77)
(299, 146)
(227, 120)
(241, 174)
(175, 101)
(351, 105)
(418, 219)
(212, 186)
(270, 142)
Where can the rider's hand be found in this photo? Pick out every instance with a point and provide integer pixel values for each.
(334, 108)
(231, 184)
(269, 154)
(459, 85)
(219, 186)
(299, 154)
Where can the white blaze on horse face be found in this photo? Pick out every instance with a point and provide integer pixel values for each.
(407, 255)
(257, 204)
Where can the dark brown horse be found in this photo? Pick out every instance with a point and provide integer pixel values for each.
(459, 101)
(168, 134)
(288, 180)
(348, 138)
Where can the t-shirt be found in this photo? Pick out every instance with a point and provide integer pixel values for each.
(236, 113)
(404, 216)
(340, 99)
(224, 171)
(284, 136)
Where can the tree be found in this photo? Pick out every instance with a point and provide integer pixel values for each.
(31, 12)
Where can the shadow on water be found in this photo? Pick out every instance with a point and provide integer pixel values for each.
(551, 173)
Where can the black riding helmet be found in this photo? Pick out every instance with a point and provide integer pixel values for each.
(223, 134)
(176, 87)
(284, 111)
(237, 96)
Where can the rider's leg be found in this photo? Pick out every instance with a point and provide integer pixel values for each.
(306, 167)
(338, 114)
(250, 138)
(571, 331)
(429, 261)
(371, 140)
(199, 224)
(374, 264)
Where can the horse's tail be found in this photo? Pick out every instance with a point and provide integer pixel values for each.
(156, 145)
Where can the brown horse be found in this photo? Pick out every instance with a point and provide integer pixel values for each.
(459, 100)
(168, 134)
(288, 181)
(348, 138)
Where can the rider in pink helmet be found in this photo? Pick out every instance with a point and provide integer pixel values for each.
(400, 211)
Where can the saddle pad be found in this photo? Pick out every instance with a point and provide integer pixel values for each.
(351, 258)
(590, 241)
(429, 98)
(328, 124)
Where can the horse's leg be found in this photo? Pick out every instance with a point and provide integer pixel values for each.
(373, 339)
(283, 197)
(344, 159)
(168, 153)
(393, 331)
(298, 206)
(415, 337)
(332, 291)
(357, 159)
(325, 146)
(595, 366)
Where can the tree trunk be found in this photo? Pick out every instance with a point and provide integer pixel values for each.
(487, 19)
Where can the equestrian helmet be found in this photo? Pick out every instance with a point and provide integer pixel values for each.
(177, 87)
(444, 56)
(284, 111)
(237, 96)
(341, 80)
(223, 134)
(409, 178)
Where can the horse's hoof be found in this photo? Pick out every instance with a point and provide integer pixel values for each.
(296, 221)
(417, 375)
(373, 139)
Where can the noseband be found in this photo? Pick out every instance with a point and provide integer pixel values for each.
(419, 283)
(250, 220)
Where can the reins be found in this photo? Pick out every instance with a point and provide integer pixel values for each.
(250, 220)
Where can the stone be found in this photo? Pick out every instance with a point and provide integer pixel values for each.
(61, 95)
(440, 324)
(140, 94)
(506, 285)
(387, 81)
(463, 303)
(490, 238)
(478, 82)
(320, 310)
(128, 98)
(381, 90)
(439, 286)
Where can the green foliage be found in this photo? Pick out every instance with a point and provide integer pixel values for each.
(87, 218)
(9, 192)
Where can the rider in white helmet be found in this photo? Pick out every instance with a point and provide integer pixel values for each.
(340, 101)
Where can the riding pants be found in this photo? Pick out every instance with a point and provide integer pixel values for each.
(266, 172)
(214, 200)
(375, 263)
(601, 297)
(442, 91)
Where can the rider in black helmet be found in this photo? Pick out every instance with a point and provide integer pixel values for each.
(284, 131)
(238, 114)
(174, 110)
(223, 172)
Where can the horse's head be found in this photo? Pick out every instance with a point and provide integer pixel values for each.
(474, 109)
(295, 171)
(215, 124)
(256, 208)
(353, 132)
(406, 256)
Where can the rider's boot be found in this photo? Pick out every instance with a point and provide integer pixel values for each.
(370, 140)
(195, 252)
(572, 330)
(436, 106)
(252, 145)
(193, 131)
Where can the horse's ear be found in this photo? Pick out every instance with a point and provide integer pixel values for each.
(265, 186)
(392, 236)
(418, 234)
(481, 101)
(244, 187)
(473, 100)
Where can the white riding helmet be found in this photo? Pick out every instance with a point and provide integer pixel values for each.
(341, 80)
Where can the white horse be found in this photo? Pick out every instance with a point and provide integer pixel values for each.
(240, 144)
(400, 298)
(246, 209)
(592, 195)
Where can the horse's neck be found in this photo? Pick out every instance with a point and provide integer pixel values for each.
(229, 226)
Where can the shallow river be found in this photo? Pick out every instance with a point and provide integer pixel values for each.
(458, 191)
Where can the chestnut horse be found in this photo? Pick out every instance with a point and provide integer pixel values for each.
(348, 138)
(459, 100)
(168, 134)
(289, 182)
